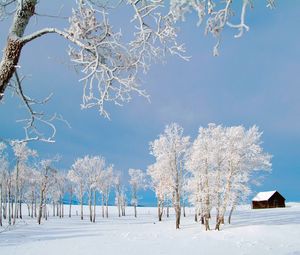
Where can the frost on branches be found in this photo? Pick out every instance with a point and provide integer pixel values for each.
(222, 161)
(89, 175)
(137, 181)
(109, 62)
(169, 151)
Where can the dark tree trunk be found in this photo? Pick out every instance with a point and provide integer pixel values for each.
(41, 205)
(70, 204)
(20, 206)
(32, 203)
(12, 51)
(230, 214)
(53, 208)
(159, 210)
(90, 205)
(0, 205)
(102, 205)
(106, 205)
(9, 208)
(94, 216)
(81, 207)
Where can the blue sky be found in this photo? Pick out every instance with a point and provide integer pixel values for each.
(255, 80)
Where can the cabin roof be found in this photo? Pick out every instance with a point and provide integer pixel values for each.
(264, 196)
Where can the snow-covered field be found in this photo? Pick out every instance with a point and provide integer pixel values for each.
(269, 231)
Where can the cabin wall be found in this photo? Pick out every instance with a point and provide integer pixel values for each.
(275, 201)
(260, 204)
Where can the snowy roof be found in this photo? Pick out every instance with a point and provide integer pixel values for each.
(263, 196)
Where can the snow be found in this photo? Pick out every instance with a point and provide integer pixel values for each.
(263, 196)
(268, 231)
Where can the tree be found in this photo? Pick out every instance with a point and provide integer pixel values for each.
(221, 162)
(137, 181)
(104, 185)
(161, 184)
(111, 65)
(47, 174)
(3, 178)
(85, 173)
(78, 176)
(170, 148)
(22, 153)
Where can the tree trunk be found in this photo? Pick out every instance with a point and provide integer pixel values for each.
(20, 206)
(230, 214)
(57, 209)
(16, 191)
(90, 205)
(53, 208)
(5, 204)
(102, 205)
(70, 204)
(45, 211)
(1, 205)
(35, 206)
(134, 199)
(41, 205)
(81, 207)
(206, 222)
(11, 53)
(178, 212)
(106, 205)
(159, 210)
(62, 207)
(9, 202)
(94, 216)
(32, 202)
(177, 208)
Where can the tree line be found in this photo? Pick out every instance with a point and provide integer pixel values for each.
(215, 171)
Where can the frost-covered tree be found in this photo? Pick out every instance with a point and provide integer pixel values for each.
(77, 175)
(31, 192)
(221, 162)
(109, 63)
(170, 149)
(85, 174)
(105, 183)
(120, 198)
(137, 181)
(244, 157)
(118, 191)
(161, 184)
(3, 180)
(46, 176)
(22, 154)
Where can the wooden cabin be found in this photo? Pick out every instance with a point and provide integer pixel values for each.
(268, 199)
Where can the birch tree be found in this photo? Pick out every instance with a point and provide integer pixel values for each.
(137, 181)
(47, 173)
(104, 184)
(222, 161)
(161, 184)
(22, 153)
(3, 179)
(245, 156)
(171, 147)
(78, 176)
